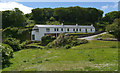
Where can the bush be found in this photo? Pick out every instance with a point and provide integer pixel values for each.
(74, 43)
(63, 40)
(83, 41)
(23, 44)
(14, 43)
(46, 39)
(67, 46)
(18, 33)
(7, 53)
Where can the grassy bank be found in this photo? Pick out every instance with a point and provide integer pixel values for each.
(93, 56)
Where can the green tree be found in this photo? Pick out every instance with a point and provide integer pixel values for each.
(77, 15)
(13, 18)
(5, 18)
(111, 16)
(114, 28)
(42, 15)
(52, 23)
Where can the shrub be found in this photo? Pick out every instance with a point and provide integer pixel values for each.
(46, 39)
(50, 45)
(63, 40)
(74, 43)
(67, 46)
(83, 41)
(23, 44)
(18, 33)
(7, 53)
(14, 43)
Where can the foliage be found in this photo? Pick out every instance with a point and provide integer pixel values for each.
(14, 43)
(114, 28)
(111, 16)
(7, 53)
(67, 46)
(52, 23)
(46, 39)
(69, 15)
(13, 18)
(23, 44)
(104, 36)
(100, 26)
(42, 15)
(18, 33)
(63, 40)
(52, 19)
(82, 41)
(30, 26)
(34, 46)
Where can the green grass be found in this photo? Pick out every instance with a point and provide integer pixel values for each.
(106, 36)
(35, 45)
(94, 56)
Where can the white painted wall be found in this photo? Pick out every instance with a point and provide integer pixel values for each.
(42, 31)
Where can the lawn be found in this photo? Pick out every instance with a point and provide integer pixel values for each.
(93, 56)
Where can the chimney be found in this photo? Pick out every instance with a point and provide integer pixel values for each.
(91, 24)
(62, 24)
(76, 24)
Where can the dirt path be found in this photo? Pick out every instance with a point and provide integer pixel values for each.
(92, 37)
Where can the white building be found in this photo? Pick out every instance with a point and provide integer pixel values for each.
(39, 31)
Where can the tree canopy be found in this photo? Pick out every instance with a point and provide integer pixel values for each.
(69, 15)
(114, 28)
(13, 18)
(111, 16)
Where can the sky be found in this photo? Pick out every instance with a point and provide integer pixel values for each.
(27, 5)
(61, 0)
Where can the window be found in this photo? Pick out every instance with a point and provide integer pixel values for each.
(47, 29)
(57, 29)
(54, 29)
(76, 29)
(33, 37)
(73, 29)
(67, 29)
(86, 30)
(61, 29)
(80, 29)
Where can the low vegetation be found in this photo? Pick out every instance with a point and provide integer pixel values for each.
(63, 40)
(7, 53)
(14, 43)
(106, 36)
(47, 39)
(93, 56)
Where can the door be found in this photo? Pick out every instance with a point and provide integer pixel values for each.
(33, 37)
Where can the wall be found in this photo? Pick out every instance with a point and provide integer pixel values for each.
(42, 31)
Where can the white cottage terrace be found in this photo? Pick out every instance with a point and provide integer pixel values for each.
(41, 30)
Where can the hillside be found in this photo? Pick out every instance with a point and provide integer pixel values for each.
(93, 56)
